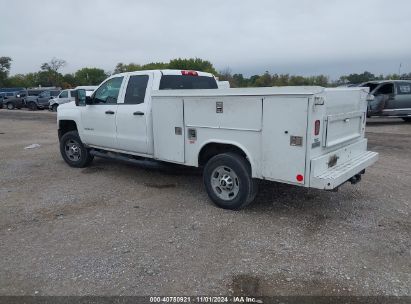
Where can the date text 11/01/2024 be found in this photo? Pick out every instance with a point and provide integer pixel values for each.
(204, 299)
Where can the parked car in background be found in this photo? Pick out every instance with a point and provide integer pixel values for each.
(41, 101)
(223, 84)
(30, 92)
(1, 100)
(391, 98)
(12, 101)
(66, 96)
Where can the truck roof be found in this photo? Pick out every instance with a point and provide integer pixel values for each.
(164, 72)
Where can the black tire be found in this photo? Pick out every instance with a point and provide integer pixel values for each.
(32, 106)
(54, 107)
(407, 119)
(10, 106)
(238, 166)
(73, 139)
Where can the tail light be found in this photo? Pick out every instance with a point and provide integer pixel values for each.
(189, 73)
(317, 125)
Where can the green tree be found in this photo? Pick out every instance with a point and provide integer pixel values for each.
(264, 80)
(155, 66)
(69, 81)
(50, 71)
(90, 76)
(19, 80)
(357, 78)
(47, 78)
(196, 64)
(5, 64)
(239, 80)
(131, 67)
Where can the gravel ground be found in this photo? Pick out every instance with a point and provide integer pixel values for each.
(121, 229)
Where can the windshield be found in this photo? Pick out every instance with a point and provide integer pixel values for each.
(187, 82)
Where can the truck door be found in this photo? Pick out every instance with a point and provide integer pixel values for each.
(133, 114)
(99, 118)
(63, 97)
(384, 99)
(403, 98)
(43, 99)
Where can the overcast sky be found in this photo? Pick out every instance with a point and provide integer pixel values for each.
(307, 37)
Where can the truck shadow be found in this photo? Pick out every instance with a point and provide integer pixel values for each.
(387, 121)
(146, 165)
(272, 197)
(284, 196)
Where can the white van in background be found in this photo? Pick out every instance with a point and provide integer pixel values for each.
(223, 84)
(66, 96)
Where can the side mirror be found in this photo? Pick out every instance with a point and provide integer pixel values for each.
(80, 97)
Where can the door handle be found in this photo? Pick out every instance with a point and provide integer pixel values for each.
(110, 112)
(138, 113)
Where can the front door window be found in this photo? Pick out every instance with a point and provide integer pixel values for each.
(108, 92)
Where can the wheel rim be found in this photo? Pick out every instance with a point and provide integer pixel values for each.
(72, 149)
(9, 106)
(225, 183)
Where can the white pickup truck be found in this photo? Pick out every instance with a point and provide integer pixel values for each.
(305, 136)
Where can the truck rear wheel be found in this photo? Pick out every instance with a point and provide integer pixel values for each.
(73, 151)
(228, 181)
(10, 106)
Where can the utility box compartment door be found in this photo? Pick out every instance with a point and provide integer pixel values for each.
(343, 127)
(284, 138)
(225, 112)
(168, 129)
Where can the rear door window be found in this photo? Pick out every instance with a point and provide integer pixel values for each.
(187, 82)
(136, 89)
(34, 93)
(45, 94)
(404, 88)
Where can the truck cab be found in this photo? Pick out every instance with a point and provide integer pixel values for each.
(118, 114)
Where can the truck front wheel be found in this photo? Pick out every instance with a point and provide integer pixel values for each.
(73, 151)
(228, 181)
(10, 106)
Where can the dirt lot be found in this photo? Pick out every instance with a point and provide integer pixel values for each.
(120, 229)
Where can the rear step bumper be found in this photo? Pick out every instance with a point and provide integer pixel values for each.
(341, 173)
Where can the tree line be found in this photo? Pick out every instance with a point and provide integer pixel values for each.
(49, 75)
